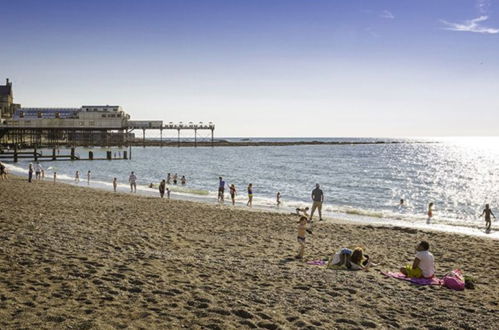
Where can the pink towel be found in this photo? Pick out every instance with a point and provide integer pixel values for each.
(418, 281)
(316, 262)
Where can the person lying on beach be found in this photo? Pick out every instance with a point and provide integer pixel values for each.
(423, 265)
(353, 260)
(487, 212)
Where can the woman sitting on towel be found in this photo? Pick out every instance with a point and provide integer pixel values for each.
(354, 260)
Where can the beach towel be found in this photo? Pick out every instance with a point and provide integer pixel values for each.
(317, 262)
(418, 281)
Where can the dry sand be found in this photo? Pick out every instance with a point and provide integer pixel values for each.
(78, 258)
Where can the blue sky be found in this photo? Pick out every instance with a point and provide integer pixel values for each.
(264, 67)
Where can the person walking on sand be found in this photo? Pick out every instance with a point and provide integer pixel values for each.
(221, 189)
(487, 212)
(132, 179)
(232, 190)
(302, 228)
(278, 199)
(77, 177)
(162, 187)
(30, 172)
(88, 177)
(250, 195)
(38, 171)
(115, 184)
(317, 200)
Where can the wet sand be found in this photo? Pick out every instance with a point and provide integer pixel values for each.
(73, 257)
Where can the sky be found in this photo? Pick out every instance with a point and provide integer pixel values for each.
(267, 68)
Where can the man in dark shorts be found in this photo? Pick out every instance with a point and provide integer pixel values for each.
(317, 199)
(221, 189)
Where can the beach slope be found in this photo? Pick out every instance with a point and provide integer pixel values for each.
(73, 257)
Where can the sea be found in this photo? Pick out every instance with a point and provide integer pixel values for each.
(362, 183)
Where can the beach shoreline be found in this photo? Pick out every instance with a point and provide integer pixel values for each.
(86, 258)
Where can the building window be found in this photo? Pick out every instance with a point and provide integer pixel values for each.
(103, 116)
(39, 114)
(58, 115)
(21, 114)
(92, 123)
(82, 123)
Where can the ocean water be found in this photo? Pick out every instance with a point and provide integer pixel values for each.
(360, 182)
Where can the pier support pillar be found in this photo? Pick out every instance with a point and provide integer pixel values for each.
(72, 153)
(144, 137)
(91, 155)
(160, 137)
(195, 138)
(15, 153)
(125, 156)
(178, 137)
(35, 154)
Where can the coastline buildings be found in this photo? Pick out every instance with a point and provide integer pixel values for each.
(7, 106)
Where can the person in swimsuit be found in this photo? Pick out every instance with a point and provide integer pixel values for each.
(183, 180)
(487, 212)
(88, 177)
(162, 187)
(278, 199)
(430, 212)
(232, 190)
(250, 195)
(302, 227)
(175, 178)
(115, 184)
(168, 178)
(77, 177)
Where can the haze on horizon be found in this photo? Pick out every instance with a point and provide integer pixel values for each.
(264, 67)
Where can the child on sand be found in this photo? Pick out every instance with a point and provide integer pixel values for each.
(487, 212)
(232, 190)
(168, 193)
(423, 265)
(302, 227)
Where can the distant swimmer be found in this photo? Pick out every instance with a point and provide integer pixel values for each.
(162, 188)
(115, 184)
(132, 179)
(487, 212)
(278, 199)
(77, 177)
(430, 212)
(221, 189)
(318, 199)
(250, 195)
(88, 177)
(232, 190)
(183, 181)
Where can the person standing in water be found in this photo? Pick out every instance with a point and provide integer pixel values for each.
(175, 178)
(38, 171)
(55, 176)
(250, 195)
(168, 178)
(183, 180)
(317, 200)
(430, 212)
(77, 177)
(221, 189)
(278, 199)
(162, 187)
(115, 184)
(88, 177)
(487, 212)
(232, 190)
(132, 179)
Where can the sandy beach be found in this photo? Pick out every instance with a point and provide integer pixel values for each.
(73, 257)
